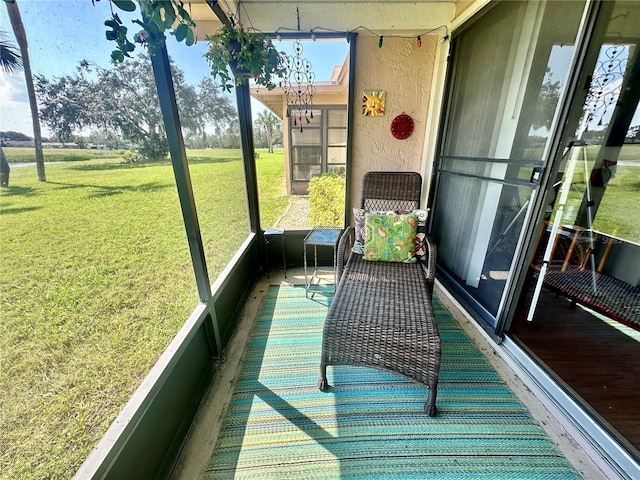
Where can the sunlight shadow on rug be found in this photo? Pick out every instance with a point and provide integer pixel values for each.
(370, 424)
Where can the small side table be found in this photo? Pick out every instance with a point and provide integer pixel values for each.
(320, 237)
(269, 235)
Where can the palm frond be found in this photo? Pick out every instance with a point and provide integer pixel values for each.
(10, 59)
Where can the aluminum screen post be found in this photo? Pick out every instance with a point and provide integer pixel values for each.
(169, 107)
(243, 98)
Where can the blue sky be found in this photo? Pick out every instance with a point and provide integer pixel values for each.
(61, 33)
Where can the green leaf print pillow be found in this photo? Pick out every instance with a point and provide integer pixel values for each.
(390, 237)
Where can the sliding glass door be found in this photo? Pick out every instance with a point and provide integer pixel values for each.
(508, 74)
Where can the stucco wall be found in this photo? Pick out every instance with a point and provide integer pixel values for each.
(404, 71)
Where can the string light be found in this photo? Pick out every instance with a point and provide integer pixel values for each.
(418, 38)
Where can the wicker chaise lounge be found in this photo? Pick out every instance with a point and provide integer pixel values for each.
(382, 315)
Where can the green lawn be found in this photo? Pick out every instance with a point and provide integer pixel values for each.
(23, 155)
(96, 280)
(620, 205)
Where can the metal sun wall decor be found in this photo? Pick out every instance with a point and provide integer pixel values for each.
(373, 103)
(298, 86)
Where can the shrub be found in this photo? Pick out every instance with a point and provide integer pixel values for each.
(326, 200)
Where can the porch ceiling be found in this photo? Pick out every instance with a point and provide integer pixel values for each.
(382, 17)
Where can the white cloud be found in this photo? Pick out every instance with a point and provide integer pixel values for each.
(13, 88)
(15, 114)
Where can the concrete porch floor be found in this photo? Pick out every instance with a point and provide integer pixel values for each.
(204, 433)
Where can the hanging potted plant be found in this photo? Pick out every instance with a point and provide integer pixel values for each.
(249, 54)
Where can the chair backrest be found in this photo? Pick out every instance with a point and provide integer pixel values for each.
(391, 190)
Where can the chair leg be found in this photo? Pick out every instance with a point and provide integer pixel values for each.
(430, 406)
(323, 385)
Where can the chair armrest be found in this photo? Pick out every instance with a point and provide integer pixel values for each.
(429, 264)
(344, 251)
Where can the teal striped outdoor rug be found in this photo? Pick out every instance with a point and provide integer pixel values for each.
(370, 425)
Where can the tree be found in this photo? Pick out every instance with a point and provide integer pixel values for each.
(189, 109)
(15, 136)
(119, 100)
(268, 124)
(217, 110)
(547, 102)
(5, 169)
(230, 135)
(21, 38)
(108, 139)
(10, 62)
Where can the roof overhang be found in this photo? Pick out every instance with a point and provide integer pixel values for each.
(363, 16)
(274, 99)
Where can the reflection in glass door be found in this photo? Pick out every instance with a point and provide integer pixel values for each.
(510, 69)
(579, 313)
(590, 237)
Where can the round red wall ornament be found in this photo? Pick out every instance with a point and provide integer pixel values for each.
(402, 126)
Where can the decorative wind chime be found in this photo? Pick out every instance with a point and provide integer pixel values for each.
(298, 84)
(605, 85)
(606, 82)
(299, 88)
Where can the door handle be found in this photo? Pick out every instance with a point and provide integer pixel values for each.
(536, 176)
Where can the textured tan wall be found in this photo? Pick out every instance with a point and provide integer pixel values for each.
(404, 71)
